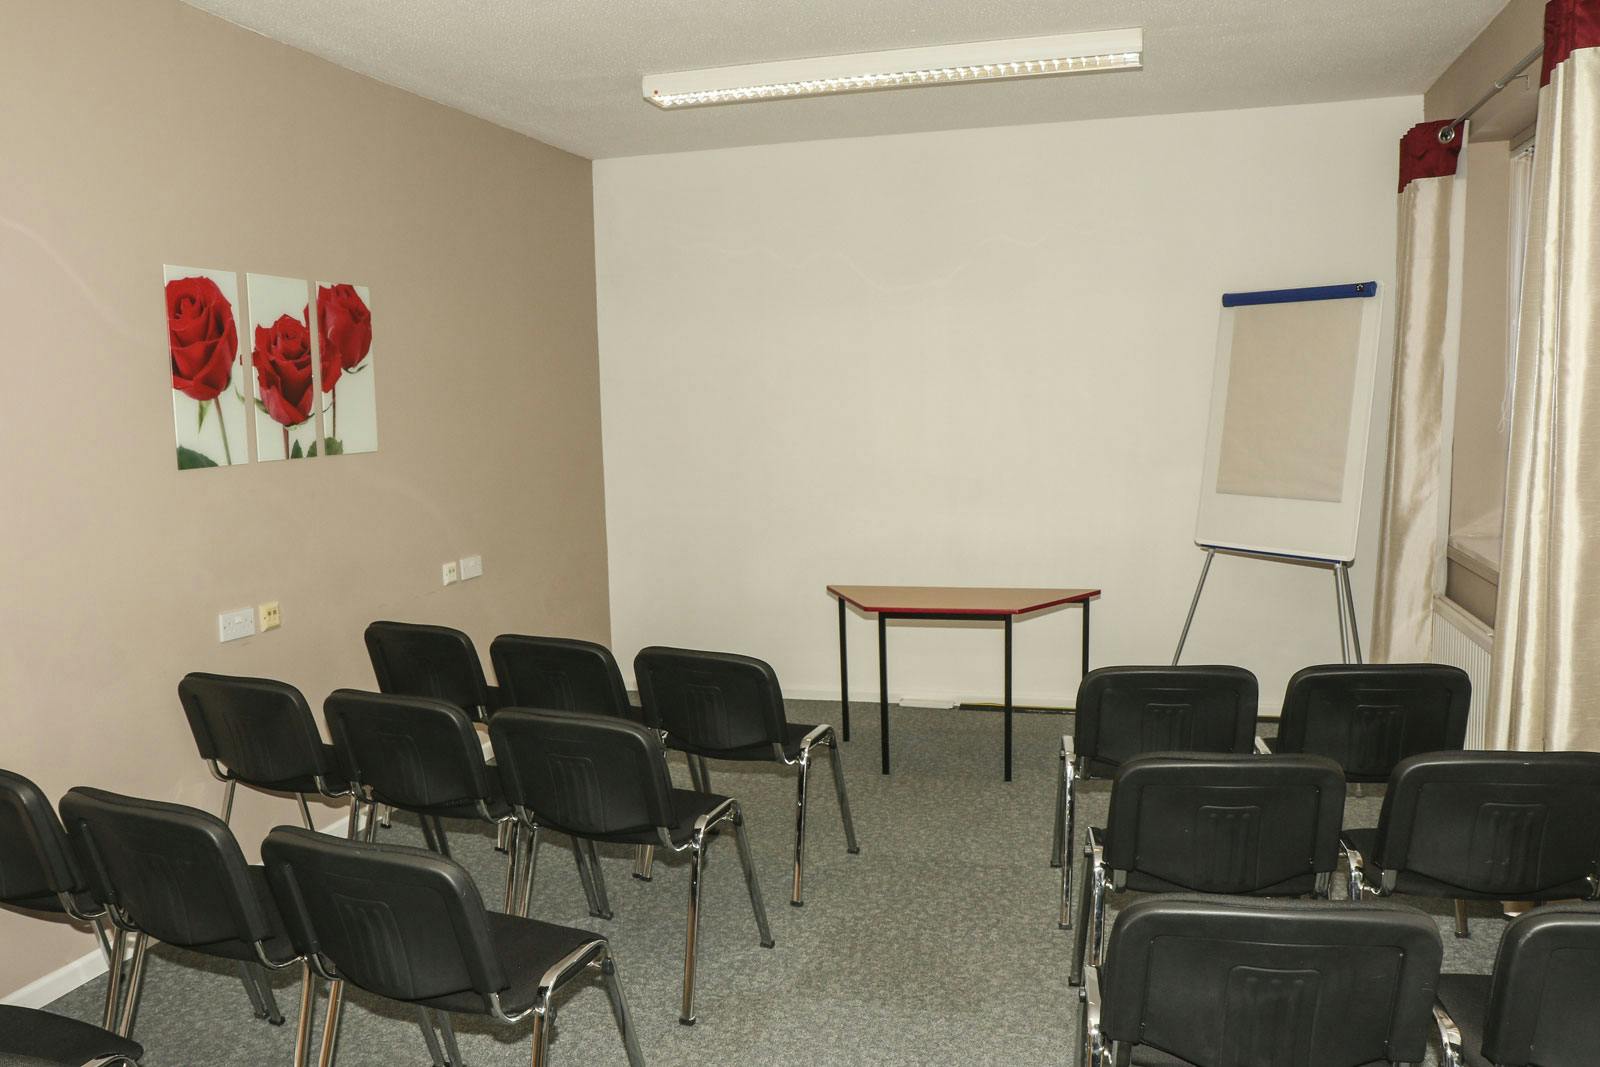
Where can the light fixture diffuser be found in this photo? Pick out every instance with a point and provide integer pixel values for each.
(901, 68)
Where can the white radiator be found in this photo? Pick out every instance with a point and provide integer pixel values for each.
(1462, 640)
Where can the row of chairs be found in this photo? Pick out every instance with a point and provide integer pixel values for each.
(403, 923)
(1228, 980)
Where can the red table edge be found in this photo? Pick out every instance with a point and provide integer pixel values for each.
(1091, 594)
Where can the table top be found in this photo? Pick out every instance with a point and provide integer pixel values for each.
(956, 599)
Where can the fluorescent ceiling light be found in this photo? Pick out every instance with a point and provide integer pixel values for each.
(902, 68)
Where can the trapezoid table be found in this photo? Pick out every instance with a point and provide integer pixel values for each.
(943, 603)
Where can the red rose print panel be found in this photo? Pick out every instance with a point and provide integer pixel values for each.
(208, 367)
(349, 390)
(281, 354)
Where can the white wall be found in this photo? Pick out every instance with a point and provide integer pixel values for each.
(979, 357)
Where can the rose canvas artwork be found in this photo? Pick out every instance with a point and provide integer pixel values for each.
(280, 365)
(349, 391)
(208, 367)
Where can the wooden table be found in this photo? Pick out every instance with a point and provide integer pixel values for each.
(937, 603)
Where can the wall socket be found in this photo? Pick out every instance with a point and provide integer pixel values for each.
(269, 615)
(451, 573)
(471, 567)
(232, 625)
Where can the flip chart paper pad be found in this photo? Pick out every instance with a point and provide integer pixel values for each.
(1291, 399)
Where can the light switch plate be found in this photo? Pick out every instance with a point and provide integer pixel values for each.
(451, 573)
(232, 625)
(471, 567)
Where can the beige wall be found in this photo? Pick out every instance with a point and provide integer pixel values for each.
(137, 134)
(977, 357)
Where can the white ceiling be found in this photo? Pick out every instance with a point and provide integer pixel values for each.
(567, 71)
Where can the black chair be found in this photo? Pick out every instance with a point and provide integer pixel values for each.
(1229, 981)
(1123, 712)
(1367, 717)
(1539, 1009)
(1484, 826)
(39, 1039)
(1240, 825)
(39, 874)
(605, 779)
(721, 706)
(415, 660)
(261, 732)
(176, 874)
(410, 926)
(560, 674)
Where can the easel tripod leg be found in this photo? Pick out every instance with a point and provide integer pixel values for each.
(1188, 621)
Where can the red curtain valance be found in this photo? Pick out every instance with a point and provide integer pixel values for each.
(1568, 26)
(1422, 155)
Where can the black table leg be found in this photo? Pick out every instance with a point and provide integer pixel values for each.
(1085, 641)
(883, 688)
(844, 674)
(1008, 698)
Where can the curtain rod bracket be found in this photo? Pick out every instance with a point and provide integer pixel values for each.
(1447, 133)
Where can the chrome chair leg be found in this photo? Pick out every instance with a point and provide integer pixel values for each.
(705, 776)
(119, 948)
(385, 816)
(1462, 930)
(692, 930)
(352, 830)
(599, 878)
(800, 826)
(435, 1053)
(541, 1035)
(305, 811)
(1070, 819)
(252, 990)
(850, 845)
(443, 839)
(694, 775)
(330, 1025)
(428, 840)
(447, 1031)
(513, 855)
(756, 903)
(130, 1006)
(644, 861)
(584, 876)
(1058, 835)
(532, 848)
(1096, 901)
(227, 799)
(1080, 949)
(269, 1003)
(308, 1007)
(503, 831)
(619, 1009)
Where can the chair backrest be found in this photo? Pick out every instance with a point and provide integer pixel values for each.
(35, 858)
(259, 730)
(1367, 717)
(413, 753)
(1226, 981)
(560, 674)
(710, 700)
(412, 659)
(400, 922)
(1546, 986)
(1125, 711)
(579, 773)
(175, 872)
(1515, 825)
(1226, 823)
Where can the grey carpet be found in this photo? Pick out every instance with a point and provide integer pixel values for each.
(937, 944)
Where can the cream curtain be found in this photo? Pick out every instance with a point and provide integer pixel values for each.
(1545, 692)
(1413, 493)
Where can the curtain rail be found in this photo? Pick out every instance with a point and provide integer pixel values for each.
(1448, 133)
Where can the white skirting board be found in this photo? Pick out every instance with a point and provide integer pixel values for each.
(43, 991)
(1462, 640)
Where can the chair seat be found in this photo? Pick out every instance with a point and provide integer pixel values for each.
(526, 948)
(277, 946)
(1365, 841)
(50, 904)
(793, 740)
(1144, 882)
(1466, 998)
(687, 806)
(57, 1039)
(335, 778)
(1146, 1056)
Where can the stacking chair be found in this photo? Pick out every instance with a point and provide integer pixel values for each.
(260, 732)
(410, 926)
(1243, 825)
(605, 778)
(1367, 717)
(1539, 1007)
(721, 706)
(414, 660)
(1484, 826)
(39, 874)
(1226, 981)
(176, 874)
(560, 674)
(1123, 712)
(40, 1039)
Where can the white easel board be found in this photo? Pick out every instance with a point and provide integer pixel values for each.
(1291, 398)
